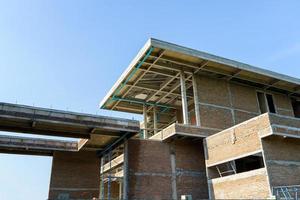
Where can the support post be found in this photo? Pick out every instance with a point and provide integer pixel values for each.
(183, 98)
(155, 119)
(196, 100)
(145, 122)
(109, 177)
(101, 196)
(173, 181)
(120, 189)
(125, 172)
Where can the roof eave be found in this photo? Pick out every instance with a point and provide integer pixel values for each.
(152, 42)
(210, 57)
(122, 78)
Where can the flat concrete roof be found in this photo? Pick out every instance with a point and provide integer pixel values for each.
(152, 76)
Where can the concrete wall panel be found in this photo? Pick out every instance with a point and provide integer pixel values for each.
(236, 141)
(247, 185)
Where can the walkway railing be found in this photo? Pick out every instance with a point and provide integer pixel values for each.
(291, 192)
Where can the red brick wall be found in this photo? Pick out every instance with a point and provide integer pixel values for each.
(149, 169)
(190, 167)
(150, 173)
(75, 174)
(114, 190)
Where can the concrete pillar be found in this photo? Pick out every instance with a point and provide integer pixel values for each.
(145, 122)
(196, 101)
(155, 119)
(109, 177)
(184, 99)
(173, 178)
(120, 189)
(101, 196)
(125, 171)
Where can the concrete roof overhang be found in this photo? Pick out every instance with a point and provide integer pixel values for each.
(152, 78)
(97, 132)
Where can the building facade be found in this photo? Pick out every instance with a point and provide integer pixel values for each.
(213, 127)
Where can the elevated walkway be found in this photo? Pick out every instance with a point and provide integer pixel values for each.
(35, 146)
(96, 132)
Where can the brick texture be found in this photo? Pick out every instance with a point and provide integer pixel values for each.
(282, 160)
(150, 174)
(75, 175)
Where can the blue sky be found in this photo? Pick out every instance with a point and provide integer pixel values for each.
(67, 54)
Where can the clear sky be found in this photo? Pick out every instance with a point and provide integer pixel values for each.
(67, 54)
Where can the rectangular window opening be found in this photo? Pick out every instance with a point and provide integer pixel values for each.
(262, 102)
(296, 107)
(266, 102)
(237, 166)
(271, 104)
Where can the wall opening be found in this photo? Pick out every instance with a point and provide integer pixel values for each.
(249, 163)
(296, 107)
(262, 102)
(240, 165)
(271, 104)
(266, 102)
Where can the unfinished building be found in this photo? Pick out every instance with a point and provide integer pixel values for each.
(212, 128)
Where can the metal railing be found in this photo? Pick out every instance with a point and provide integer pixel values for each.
(291, 192)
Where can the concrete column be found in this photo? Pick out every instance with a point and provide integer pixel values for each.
(101, 196)
(196, 101)
(184, 99)
(145, 122)
(173, 168)
(109, 177)
(125, 172)
(155, 119)
(120, 189)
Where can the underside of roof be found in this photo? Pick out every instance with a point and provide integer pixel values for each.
(153, 78)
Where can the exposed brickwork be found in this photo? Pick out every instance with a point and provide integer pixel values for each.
(223, 104)
(283, 105)
(114, 190)
(75, 174)
(216, 117)
(213, 91)
(150, 174)
(282, 160)
(190, 167)
(244, 98)
(149, 170)
(240, 116)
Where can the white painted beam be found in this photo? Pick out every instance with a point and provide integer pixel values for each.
(184, 99)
